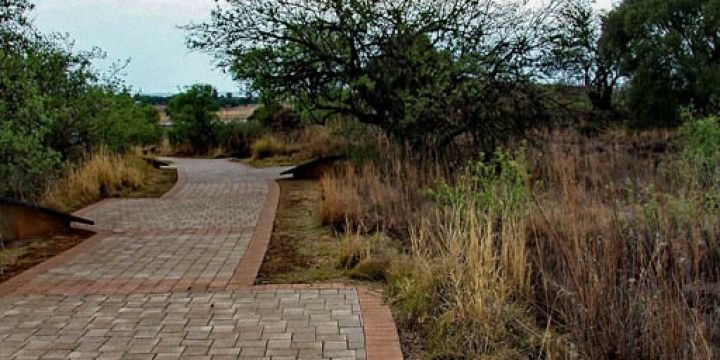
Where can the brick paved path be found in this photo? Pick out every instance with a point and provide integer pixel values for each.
(172, 278)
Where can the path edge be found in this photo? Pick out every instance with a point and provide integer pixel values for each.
(381, 335)
(382, 340)
(15, 284)
(247, 270)
(179, 183)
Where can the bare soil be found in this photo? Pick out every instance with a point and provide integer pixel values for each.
(301, 250)
(19, 256)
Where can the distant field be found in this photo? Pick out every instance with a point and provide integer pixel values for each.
(238, 113)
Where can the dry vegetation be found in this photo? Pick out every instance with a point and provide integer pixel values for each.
(575, 247)
(301, 250)
(296, 146)
(107, 175)
(103, 175)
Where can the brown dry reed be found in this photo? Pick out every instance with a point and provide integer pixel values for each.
(576, 247)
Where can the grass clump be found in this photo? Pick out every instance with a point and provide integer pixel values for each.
(297, 146)
(103, 175)
(269, 146)
(468, 272)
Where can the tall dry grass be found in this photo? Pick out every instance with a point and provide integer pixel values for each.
(364, 197)
(607, 247)
(104, 174)
(306, 143)
(626, 249)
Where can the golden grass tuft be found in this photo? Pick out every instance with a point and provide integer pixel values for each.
(103, 175)
(270, 146)
(307, 143)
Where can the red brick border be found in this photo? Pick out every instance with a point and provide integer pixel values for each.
(19, 280)
(247, 270)
(381, 335)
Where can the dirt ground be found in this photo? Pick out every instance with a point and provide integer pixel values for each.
(301, 250)
(19, 256)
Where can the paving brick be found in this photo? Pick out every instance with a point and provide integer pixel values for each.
(170, 278)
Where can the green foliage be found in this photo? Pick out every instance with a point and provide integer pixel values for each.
(238, 137)
(669, 48)
(25, 163)
(702, 149)
(275, 116)
(500, 185)
(53, 109)
(425, 72)
(120, 123)
(194, 116)
(578, 54)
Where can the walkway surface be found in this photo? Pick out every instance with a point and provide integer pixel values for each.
(172, 278)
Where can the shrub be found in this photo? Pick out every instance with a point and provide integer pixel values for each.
(702, 148)
(121, 123)
(26, 164)
(238, 137)
(277, 117)
(54, 110)
(195, 119)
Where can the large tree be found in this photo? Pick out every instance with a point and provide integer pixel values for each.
(671, 51)
(579, 55)
(426, 71)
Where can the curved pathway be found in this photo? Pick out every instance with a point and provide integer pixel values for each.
(172, 278)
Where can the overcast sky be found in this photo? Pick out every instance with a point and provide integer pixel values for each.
(144, 31)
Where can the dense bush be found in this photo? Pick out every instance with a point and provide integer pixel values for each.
(120, 123)
(669, 50)
(236, 138)
(53, 109)
(194, 117)
(276, 116)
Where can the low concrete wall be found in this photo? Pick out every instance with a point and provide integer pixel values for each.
(20, 221)
(315, 169)
(17, 223)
